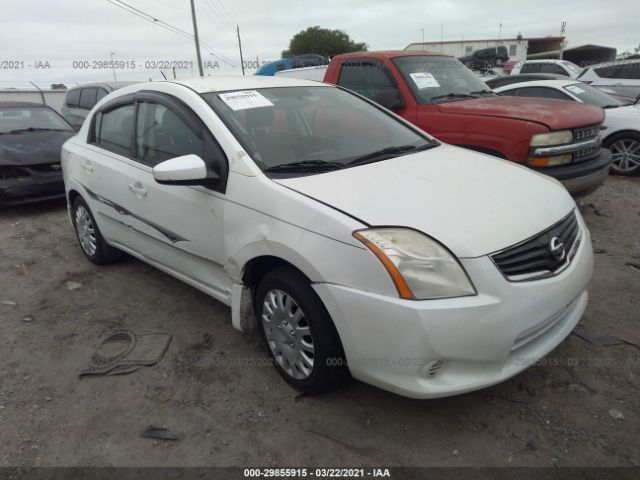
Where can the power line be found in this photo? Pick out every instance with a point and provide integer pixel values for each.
(167, 26)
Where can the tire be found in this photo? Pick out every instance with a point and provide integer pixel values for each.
(92, 243)
(625, 153)
(306, 351)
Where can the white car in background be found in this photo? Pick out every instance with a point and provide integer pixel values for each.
(558, 67)
(621, 127)
(620, 78)
(349, 237)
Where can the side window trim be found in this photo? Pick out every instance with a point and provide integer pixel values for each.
(112, 105)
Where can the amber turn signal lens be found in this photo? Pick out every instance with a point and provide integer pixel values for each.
(401, 284)
(549, 161)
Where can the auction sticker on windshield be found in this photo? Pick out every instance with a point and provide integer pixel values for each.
(424, 80)
(245, 99)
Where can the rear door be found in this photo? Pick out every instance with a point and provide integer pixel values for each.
(101, 167)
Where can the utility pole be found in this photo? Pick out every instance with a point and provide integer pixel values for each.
(240, 46)
(195, 37)
(563, 27)
(113, 67)
(422, 30)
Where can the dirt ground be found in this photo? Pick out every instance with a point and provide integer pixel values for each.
(227, 409)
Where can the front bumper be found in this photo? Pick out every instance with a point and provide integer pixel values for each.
(436, 348)
(29, 189)
(584, 177)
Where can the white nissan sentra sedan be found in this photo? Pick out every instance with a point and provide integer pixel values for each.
(352, 240)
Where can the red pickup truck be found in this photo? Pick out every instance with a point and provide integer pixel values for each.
(441, 96)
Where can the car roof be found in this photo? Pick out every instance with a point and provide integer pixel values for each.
(544, 83)
(221, 83)
(546, 60)
(522, 77)
(23, 105)
(393, 54)
(616, 62)
(109, 85)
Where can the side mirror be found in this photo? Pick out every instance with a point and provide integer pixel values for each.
(390, 98)
(185, 170)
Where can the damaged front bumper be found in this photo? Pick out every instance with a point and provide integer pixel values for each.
(37, 187)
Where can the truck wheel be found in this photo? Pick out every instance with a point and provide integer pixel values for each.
(625, 153)
(299, 332)
(91, 240)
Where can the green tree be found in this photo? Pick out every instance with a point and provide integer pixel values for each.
(58, 86)
(322, 41)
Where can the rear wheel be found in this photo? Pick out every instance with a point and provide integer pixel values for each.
(91, 240)
(299, 332)
(625, 153)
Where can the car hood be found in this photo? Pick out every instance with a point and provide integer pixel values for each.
(626, 112)
(32, 148)
(473, 203)
(554, 114)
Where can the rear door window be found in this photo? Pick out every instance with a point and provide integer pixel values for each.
(367, 77)
(114, 129)
(88, 97)
(101, 94)
(531, 68)
(73, 98)
(541, 92)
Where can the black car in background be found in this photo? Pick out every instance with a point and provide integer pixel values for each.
(486, 58)
(31, 137)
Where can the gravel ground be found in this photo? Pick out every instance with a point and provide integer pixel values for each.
(560, 412)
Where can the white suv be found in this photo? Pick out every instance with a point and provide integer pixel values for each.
(558, 67)
(620, 79)
(354, 241)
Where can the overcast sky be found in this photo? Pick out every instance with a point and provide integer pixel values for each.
(63, 31)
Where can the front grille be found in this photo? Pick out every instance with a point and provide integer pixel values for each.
(586, 133)
(534, 257)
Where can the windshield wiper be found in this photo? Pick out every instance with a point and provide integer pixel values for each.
(451, 95)
(482, 92)
(32, 129)
(385, 153)
(612, 106)
(316, 164)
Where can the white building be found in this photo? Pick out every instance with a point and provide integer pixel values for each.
(518, 47)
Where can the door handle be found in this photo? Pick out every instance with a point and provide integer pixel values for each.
(138, 190)
(87, 167)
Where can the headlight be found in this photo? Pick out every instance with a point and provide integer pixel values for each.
(419, 266)
(553, 138)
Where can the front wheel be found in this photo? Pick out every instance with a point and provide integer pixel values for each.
(625, 153)
(299, 332)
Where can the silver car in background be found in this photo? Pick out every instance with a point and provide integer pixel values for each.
(620, 78)
(81, 99)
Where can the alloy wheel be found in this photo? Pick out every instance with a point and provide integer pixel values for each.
(86, 230)
(288, 334)
(625, 154)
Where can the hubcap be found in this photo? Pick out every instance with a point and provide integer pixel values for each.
(288, 334)
(86, 231)
(625, 155)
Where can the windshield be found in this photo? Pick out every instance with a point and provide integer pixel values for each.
(573, 68)
(24, 119)
(440, 79)
(321, 126)
(593, 96)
